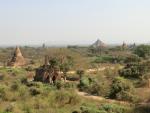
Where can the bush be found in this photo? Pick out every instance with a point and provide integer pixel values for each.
(23, 92)
(34, 91)
(133, 58)
(29, 68)
(122, 89)
(104, 108)
(24, 80)
(35, 84)
(9, 108)
(59, 84)
(2, 76)
(99, 89)
(66, 97)
(142, 109)
(114, 108)
(109, 59)
(69, 85)
(134, 70)
(143, 51)
(2, 92)
(84, 83)
(94, 87)
(15, 86)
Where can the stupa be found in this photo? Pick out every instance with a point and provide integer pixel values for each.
(17, 59)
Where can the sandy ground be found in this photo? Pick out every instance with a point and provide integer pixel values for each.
(99, 98)
(95, 70)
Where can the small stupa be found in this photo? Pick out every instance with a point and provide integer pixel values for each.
(17, 59)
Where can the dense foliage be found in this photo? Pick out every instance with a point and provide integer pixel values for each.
(94, 87)
(122, 89)
(135, 70)
(143, 51)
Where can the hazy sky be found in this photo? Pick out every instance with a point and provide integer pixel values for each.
(74, 21)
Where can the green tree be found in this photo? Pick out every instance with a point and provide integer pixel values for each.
(66, 65)
(122, 89)
(142, 51)
(132, 58)
(135, 70)
(54, 62)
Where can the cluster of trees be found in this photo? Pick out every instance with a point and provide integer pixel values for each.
(93, 86)
(135, 70)
(122, 89)
(138, 65)
(143, 51)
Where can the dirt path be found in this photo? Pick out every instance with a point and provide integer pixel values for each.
(99, 98)
(96, 69)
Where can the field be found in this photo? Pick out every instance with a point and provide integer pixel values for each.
(112, 80)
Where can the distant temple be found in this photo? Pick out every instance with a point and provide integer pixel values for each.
(133, 46)
(124, 45)
(17, 59)
(99, 44)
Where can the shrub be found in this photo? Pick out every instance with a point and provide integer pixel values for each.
(9, 108)
(132, 58)
(114, 108)
(100, 89)
(109, 59)
(122, 89)
(35, 84)
(84, 83)
(24, 80)
(2, 92)
(134, 70)
(66, 97)
(27, 109)
(94, 87)
(69, 85)
(59, 84)
(23, 92)
(15, 86)
(2, 76)
(34, 91)
(104, 108)
(143, 51)
(29, 68)
(142, 109)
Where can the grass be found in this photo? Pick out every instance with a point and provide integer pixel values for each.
(36, 97)
(20, 96)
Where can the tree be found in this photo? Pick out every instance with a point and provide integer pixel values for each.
(65, 66)
(142, 51)
(122, 89)
(135, 70)
(53, 62)
(132, 58)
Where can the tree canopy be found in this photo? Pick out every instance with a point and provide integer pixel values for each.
(143, 51)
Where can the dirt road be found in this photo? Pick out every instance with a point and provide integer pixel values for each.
(99, 98)
(96, 69)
